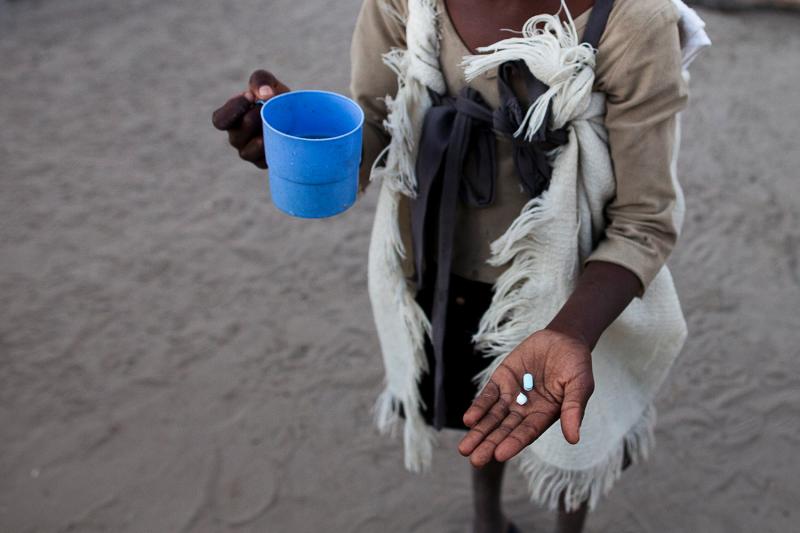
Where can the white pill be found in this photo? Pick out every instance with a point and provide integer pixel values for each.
(527, 382)
(522, 399)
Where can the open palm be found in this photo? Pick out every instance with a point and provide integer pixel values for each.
(500, 428)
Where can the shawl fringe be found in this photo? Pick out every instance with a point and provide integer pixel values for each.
(401, 323)
(547, 482)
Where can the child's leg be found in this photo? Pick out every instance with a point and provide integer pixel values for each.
(487, 485)
(571, 522)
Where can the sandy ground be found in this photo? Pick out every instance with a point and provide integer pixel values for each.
(177, 356)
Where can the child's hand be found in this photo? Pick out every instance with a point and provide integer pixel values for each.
(241, 116)
(562, 370)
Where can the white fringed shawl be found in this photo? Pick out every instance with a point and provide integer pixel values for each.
(544, 248)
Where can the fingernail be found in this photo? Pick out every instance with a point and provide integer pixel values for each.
(265, 91)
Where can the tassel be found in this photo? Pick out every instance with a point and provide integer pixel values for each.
(554, 55)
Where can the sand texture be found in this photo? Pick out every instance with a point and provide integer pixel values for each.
(178, 356)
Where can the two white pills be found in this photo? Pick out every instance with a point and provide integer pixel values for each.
(527, 384)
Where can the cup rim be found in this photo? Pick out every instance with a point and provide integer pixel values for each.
(307, 91)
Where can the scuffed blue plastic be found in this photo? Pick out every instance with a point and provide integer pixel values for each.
(312, 177)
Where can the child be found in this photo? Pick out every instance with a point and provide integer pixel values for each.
(528, 203)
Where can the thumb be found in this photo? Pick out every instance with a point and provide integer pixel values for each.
(264, 85)
(576, 395)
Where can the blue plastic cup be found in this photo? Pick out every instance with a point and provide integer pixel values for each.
(312, 141)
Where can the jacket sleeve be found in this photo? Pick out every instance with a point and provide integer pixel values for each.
(645, 90)
(379, 28)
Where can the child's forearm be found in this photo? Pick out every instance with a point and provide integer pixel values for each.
(603, 291)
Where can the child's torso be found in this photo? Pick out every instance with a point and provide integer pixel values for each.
(477, 228)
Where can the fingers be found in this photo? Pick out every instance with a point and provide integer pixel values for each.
(576, 395)
(241, 117)
(496, 414)
(528, 430)
(247, 138)
(264, 85)
(485, 400)
(254, 152)
(231, 112)
(487, 412)
(485, 450)
(494, 406)
(249, 129)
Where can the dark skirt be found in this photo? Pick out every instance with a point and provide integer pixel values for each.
(468, 300)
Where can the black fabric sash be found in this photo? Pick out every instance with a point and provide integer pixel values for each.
(455, 127)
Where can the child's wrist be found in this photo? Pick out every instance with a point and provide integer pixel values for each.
(570, 328)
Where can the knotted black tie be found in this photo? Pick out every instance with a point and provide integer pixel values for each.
(453, 128)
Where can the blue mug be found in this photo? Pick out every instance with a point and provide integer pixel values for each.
(312, 141)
